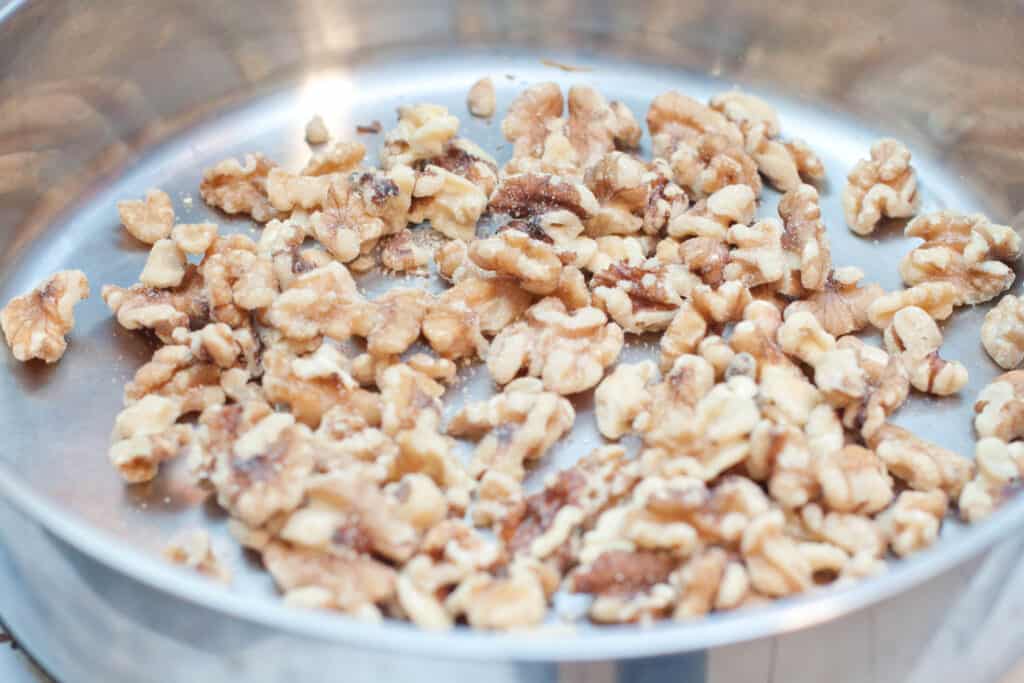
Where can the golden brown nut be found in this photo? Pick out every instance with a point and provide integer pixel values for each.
(421, 133)
(237, 280)
(236, 188)
(342, 157)
(674, 118)
(149, 220)
(193, 550)
(165, 265)
(449, 201)
(885, 185)
(324, 301)
(35, 324)
(194, 238)
(402, 253)
(531, 262)
(640, 298)
(864, 381)
(161, 310)
(757, 257)
(393, 320)
(459, 318)
(773, 559)
(145, 435)
(683, 335)
(915, 337)
(854, 479)
(713, 215)
(1002, 333)
(842, 306)
(712, 162)
(968, 251)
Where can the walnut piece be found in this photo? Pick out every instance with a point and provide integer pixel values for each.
(916, 338)
(161, 310)
(885, 185)
(451, 203)
(480, 98)
(324, 301)
(854, 480)
(145, 435)
(35, 324)
(237, 280)
(935, 298)
(912, 523)
(421, 133)
(533, 263)
(193, 550)
(842, 305)
(774, 561)
(316, 131)
(713, 215)
(674, 118)
(342, 157)
(1000, 469)
(1000, 408)
(641, 298)
(165, 265)
(621, 397)
(568, 351)
(194, 238)
(457, 321)
(805, 241)
(920, 464)
(968, 251)
(865, 382)
(149, 220)
(712, 162)
(401, 253)
(236, 188)
(1002, 332)
(684, 335)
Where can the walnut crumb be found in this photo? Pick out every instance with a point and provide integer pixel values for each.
(316, 131)
(480, 98)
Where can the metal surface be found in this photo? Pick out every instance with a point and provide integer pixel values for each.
(173, 88)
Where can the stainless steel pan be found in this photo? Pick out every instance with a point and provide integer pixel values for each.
(99, 101)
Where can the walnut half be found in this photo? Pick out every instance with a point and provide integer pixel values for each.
(35, 324)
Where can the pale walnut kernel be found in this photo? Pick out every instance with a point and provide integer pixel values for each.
(683, 335)
(857, 534)
(757, 257)
(457, 320)
(194, 238)
(885, 185)
(698, 582)
(864, 381)
(145, 435)
(612, 249)
(401, 253)
(35, 324)
(773, 559)
(517, 601)
(324, 301)
(193, 550)
(394, 320)
(515, 427)
(236, 188)
(450, 202)
(1000, 469)
(237, 279)
(920, 464)
(526, 123)
(713, 215)
(716, 352)
(1002, 333)
(161, 310)
(596, 127)
(316, 131)
(341, 157)
(165, 265)
(673, 118)
(935, 298)
(781, 455)
(480, 98)
(805, 240)
(617, 181)
(912, 523)
(281, 244)
(568, 351)
(915, 337)
(968, 251)
(421, 133)
(802, 336)
(854, 480)
(467, 159)
(175, 372)
(621, 397)
(665, 199)
(842, 306)
(640, 298)
(572, 289)
(722, 304)
(531, 262)
(148, 220)
(312, 391)
(712, 162)
(1000, 408)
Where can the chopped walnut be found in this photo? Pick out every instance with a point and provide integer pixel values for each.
(802, 336)
(782, 455)
(856, 534)
(712, 217)
(468, 160)
(864, 381)
(1002, 333)
(237, 279)
(149, 220)
(145, 435)
(1000, 408)
(568, 351)
(161, 310)
(1000, 469)
(674, 118)
(341, 157)
(396, 318)
(968, 251)
(915, 337)
(324, 301)
(700, 581)
(805, 241)
(193, 550)
(450, 202)
(935, 298)
(773, 559)
(480, 98)
(401, 253)
(178, 373)
(612, 249)
(526, 124)
(912, 523)
(316, 131)
(537, 196)
(920, 464)
(641, 298)
(621, 397)
(885, 185)
(236, 188)
(457, 320)
(513, 428)
(629, 586)
(513, 602)
(721, 304)
(618, 182)
(421, 133)
(531, 262)
(712, 162)
(684, 334)
(757, 257)
(842, 306)
(36, 324)
(854, 480)
(194, 238)
(716, 352)
(165, 266)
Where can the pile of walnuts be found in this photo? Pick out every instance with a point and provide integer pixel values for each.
(765, 464)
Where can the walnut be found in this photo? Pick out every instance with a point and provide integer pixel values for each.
(854, 480)
(1000, 408)
(805, 241)
(316, 131)
(920, 464)
(572, 289)
(360, 208)
(280, 244)
(713, 215)
(915, 337)
(401, 253)
(856, 534)
(618, 182)
(716, 352)
(236, 188)
(165, 266)
(674, 118)
(1002, 333)
(513, 428)
(555, 205)
(161, 310)
(774, 562)
(885, 185)
(712, 162)
(480, 98)
(394, 321)
(237, 280)
(612, 249)
(629, 586)
(531, 262)
(782, 455)
(350, 582)
(457, 320)
(802, 336)
(193, 550)
(912, 523)
(935, 298)
(568, 351)
(324, 301)
(145, 435)
(450, 202)
(842, 305)
(757, 257)
(194, 238)
(708, 581)
(596, 127)
(149, 220)
(513, 602)
(421, 133)
(683, 335)
(468, 160)
(341, 157)
(35, 324)
(968, 251)
(176, 372)
(1000, 469)
(641, 298)
(868, 384)
(621, 396)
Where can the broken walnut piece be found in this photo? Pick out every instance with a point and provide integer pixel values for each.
(237, 280)
(458, 319)
(194, 238)
(617, 180)
(176, 372)
(193, 550)
(394, 320)
(912, 522)
(712, 216)
(35, 324)
(757, 257)
(773, 559)
(342, 157)
(674, 118)
(641, 298)
(236, 188)
(421, 133)
(1002, 332)
(165, 265)
(480, 98)
(712, 162)
(915, 337)
(1000, 467)
(531, 262)
(999, 410)
(281, 244)
(854, 479)
(451, 203)
(161, 310)
(883, 186)
(629, 586)
(622, 396)
(842, 305)
(316, 131)
(805, 241)
(401, 253)
(569, 351)
(145, 435)
(324, 301)
(684, 335)
(935, 298)
(148, 220)
(920, 464)
(971, 252)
